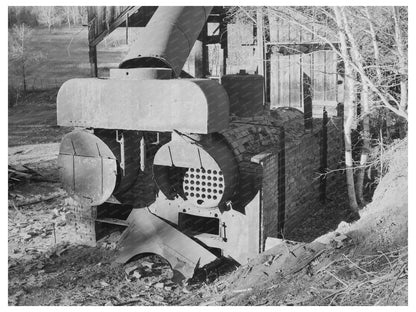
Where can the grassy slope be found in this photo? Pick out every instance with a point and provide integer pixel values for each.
(66, 55)
(33, 119)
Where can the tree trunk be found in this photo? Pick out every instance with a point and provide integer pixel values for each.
(349, 111)
(68, 17)
(365, 149)
(375, 45)
(24, 77)
(365, 109)
(402, 60)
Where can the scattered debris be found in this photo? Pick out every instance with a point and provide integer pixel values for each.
(130, 269)
(104, 284)
(159, 285)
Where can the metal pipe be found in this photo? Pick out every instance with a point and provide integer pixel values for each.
(168, 38)
(142, 154)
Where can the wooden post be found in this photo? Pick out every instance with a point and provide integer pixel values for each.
(92, 49)
(307, 102)
(224, 43)
(201, 55)
(281, 185)
(127, 28)
(324, 157)
(93, 61)
(260, 42)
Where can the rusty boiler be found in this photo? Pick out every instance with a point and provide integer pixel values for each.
(187, 166)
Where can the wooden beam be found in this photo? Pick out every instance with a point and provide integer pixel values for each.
(117, 22)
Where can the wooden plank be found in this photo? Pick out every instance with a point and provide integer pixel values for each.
(274, 80)
(295, 81)
(295, 34)
(331, 77)
(306, 36)
(284, 31)
(101, 25)
(113, 221)
(318, 80)
(284, 80)
(260, 43)
(273, 27)
(307, 75)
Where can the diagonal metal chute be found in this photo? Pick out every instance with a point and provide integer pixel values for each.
(147, 233)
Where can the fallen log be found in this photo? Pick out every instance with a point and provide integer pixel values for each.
(37, 200)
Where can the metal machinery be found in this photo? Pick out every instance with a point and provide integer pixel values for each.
(178, 162)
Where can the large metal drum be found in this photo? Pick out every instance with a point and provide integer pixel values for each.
(203, 172)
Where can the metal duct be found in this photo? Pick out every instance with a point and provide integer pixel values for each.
(168, 38)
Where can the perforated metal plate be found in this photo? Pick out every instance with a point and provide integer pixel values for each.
(204, 187)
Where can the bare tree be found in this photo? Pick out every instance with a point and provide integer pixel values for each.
(373, 48)
(46, 15)
(349, 107)
(19, 56)
(68, 10)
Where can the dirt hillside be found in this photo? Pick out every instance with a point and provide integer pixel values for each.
(47, 267)
(384, 222)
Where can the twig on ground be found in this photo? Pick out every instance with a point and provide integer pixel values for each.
(15, 208)
(337, 278)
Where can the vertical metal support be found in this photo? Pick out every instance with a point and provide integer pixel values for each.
(142, 154)
(120, 140)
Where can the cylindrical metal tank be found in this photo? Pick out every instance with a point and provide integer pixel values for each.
(203, 171)
(209, 170)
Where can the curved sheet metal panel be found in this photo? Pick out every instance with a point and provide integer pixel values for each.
(193, 106)
(87, 168)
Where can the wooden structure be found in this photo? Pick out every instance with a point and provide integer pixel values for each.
(295, 62)
(297, 67)
(102, 20)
